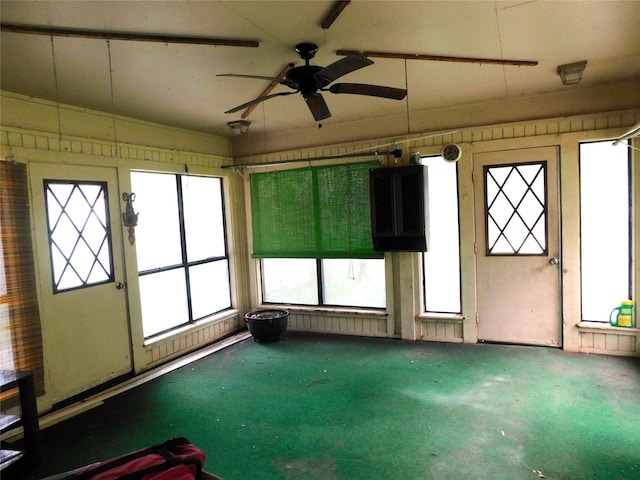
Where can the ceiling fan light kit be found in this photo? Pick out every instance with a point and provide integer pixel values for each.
(239, 127)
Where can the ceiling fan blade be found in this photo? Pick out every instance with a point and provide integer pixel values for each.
(341, 67)
(258, 100)
(258, 77)
(371, 90)
(318, 106)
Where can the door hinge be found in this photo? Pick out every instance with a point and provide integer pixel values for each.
(475, 248)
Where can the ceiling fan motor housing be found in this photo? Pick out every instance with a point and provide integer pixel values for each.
(304, 79)
(307, 50)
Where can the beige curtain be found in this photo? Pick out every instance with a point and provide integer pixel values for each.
(20, 329)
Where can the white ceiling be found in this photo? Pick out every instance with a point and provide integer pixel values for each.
(176, 84)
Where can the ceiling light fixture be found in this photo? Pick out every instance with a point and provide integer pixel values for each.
(239, 127)
(571, 73)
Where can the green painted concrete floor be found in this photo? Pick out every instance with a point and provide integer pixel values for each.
(334, 407)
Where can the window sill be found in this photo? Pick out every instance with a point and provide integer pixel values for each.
(218, 317)
(601, 326)
(441, 317)
(369, 312)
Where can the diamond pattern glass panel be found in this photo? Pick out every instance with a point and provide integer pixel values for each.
(516, 211)
(78, 234)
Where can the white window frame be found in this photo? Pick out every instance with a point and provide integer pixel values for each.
(319, 292)
(600, 301)
(185, 264)
(450, 271)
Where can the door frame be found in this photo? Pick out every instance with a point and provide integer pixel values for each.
(38, 171)
(480, 229)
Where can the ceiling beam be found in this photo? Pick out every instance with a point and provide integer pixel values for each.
(439, 58)
(333, 14)
(136, 37)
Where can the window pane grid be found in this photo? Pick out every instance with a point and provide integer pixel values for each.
(324, 282)
(312, 230)
(200, 278)
(77, 216)
(516, 212)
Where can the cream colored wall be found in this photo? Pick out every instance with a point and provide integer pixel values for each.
(30, 133)
(570, 102)
(39, 131)
(404, 316)
(72, 126)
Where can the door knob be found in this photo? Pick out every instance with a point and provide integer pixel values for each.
(120, 285)
(554, 261)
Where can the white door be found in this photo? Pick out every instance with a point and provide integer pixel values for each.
(79, 249)
(518, 248)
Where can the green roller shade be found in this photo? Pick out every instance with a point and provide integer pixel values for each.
(315, 212)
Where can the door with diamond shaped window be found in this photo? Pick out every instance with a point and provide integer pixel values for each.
(79, 246)
(517, 246)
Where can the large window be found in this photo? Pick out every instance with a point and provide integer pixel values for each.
(605, 228)
(441, 264)
(336, 282)
(181, 248)
(312, 230)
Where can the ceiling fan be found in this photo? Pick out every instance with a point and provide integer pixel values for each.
(310, 81)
